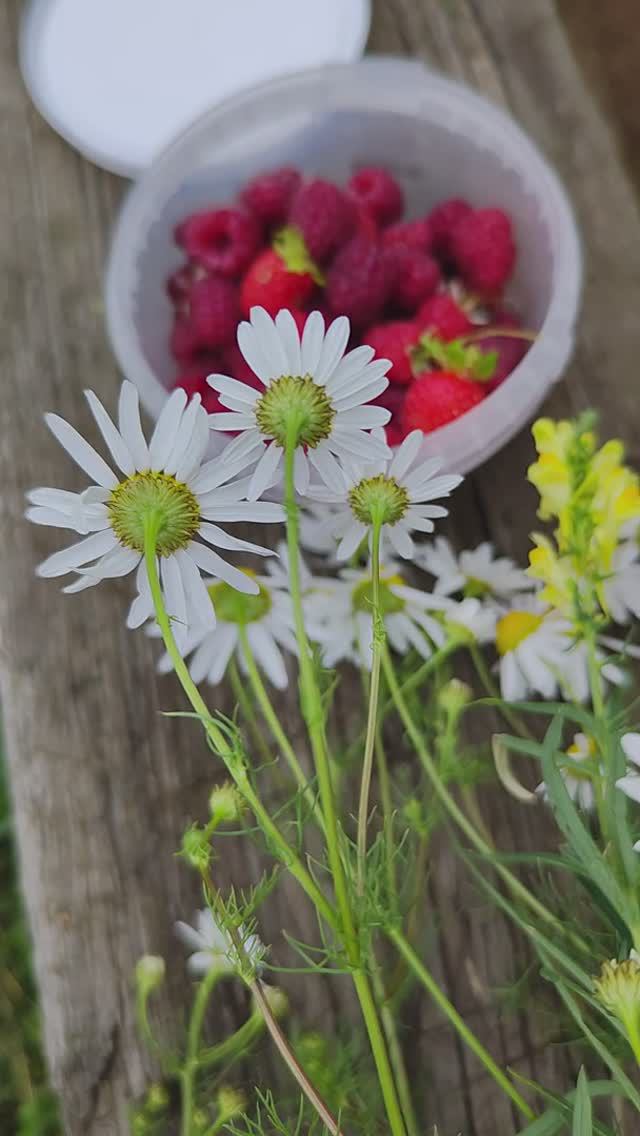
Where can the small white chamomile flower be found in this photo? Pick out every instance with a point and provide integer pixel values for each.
(476, 572)
(473, 618)
(397, 492)
(538, 654)
(314, 396)
(260, 625)
(578, 783)
(339, 616)
(213, 948)
(163, 483)
(630, 783)
(622, 587)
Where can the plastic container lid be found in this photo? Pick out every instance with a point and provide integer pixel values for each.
(119, 78)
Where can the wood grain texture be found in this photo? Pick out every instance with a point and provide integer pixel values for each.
(102, 786)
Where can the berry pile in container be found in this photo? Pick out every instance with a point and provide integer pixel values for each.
(427, 293)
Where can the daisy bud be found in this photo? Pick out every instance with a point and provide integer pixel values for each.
(276, 999)
(454, 696)
(157, 1099)
(150, 972)
(196, 849)
(229, 1102)
(225, 803)
(618, 989)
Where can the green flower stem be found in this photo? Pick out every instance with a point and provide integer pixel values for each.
(458, 1023)
(372, 716)
(239, 1042)
(273, 722)
(455, 812)
(314, 717)
(386, 800)
(395, 1050)
(273, 835)
(190, 1067)
(246, 706)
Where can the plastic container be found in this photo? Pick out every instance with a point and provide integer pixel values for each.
(438, 137)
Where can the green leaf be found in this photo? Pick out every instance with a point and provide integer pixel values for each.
(569, 822)
(582, 1111)
(483, 365)
(555, 1119)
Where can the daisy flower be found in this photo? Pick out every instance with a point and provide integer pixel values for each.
(339, 616)
(622, 587)
(475, 619)
(212, 947)
(397, 492)
(165, 479)
(311, 387)
(477, 572)
(579, 784)
(316, 528)
(538, 655)
(262, 623)
(630, 783)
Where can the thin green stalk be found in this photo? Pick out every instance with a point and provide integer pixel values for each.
(190, 1067)
(273, 722)
(246, 706)
(454, 811)
(238, 1042)
(372, 716)
(395, 1050)
(274, 837)
(458, 1023)
(314, 717)
(386, 801)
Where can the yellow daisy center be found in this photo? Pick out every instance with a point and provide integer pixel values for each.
(236, 607)
(160, 494)
(513, 628)
(295, 403)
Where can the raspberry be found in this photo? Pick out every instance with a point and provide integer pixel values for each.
(270, 284)
(410, 235)
(417, 279)
(442, 221)
(269, 195)
(182, 280)
(441, 316)
(394, 341)
(436, 398)
(215, 311)
(365, 224)
(393, 400)
(325, 216)
(379, 193)
(184, 343)
(222, 240)
(359, 281)
(483, 249)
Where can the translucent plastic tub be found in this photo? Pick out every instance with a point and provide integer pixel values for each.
(438, 137)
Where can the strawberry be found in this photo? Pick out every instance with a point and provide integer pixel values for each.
(442, 316)
(394, 341)
(221, 240)
(483, 249)
(270, 284)
(438, 397)
(378, 192)
(359, 281)
(269, 195)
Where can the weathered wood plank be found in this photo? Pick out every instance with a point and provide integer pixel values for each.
(92, 766)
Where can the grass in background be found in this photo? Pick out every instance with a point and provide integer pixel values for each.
(27, 1105)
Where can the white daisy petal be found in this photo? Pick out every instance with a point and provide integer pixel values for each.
(240, 392)
(267, 654)
(174, 597)
(290, 340)
(349, 370)
(333, 349)
(301, 473)
(210, 562)
(311, 345)
(365, 417)
(262, 512)
(118, 562)
(81, 553)
(117, 448)
(130, 427)
(357, 397)
(166, 429)
(142, 607)
(253, 352)
(199, 605)
(630, 786)
(631, 747)
(231, 420)
(180, 450)
(352, 540)
(323, 460)
(400, 540)
(406, 454)
(264, 475)
(82, 453)
(270, 342)
(213, 534)
(195, 451)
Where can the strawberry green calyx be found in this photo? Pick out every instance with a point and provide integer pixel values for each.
(456, 356)
(290, 246)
